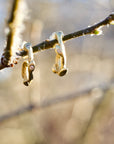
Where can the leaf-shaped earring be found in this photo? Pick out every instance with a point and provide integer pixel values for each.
(60, 61)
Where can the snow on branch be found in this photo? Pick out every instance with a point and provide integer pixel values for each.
(47, 44)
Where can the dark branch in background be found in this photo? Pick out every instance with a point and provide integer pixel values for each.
(95, 29)
(51, 102)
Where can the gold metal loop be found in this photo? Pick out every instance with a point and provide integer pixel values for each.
(29, 67)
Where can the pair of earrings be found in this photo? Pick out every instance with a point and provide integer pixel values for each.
(59, 67)
(28, 66)
(60, 60)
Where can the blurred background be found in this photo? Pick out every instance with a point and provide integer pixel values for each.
(88, 119)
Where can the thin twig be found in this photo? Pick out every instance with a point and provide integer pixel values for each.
(90, 30)
(51, 102)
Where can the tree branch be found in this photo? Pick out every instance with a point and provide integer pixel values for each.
(47, 44)
(13, 31)
(51, 102)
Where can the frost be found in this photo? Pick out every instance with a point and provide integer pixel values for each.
(97, 31)
(112, 22)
